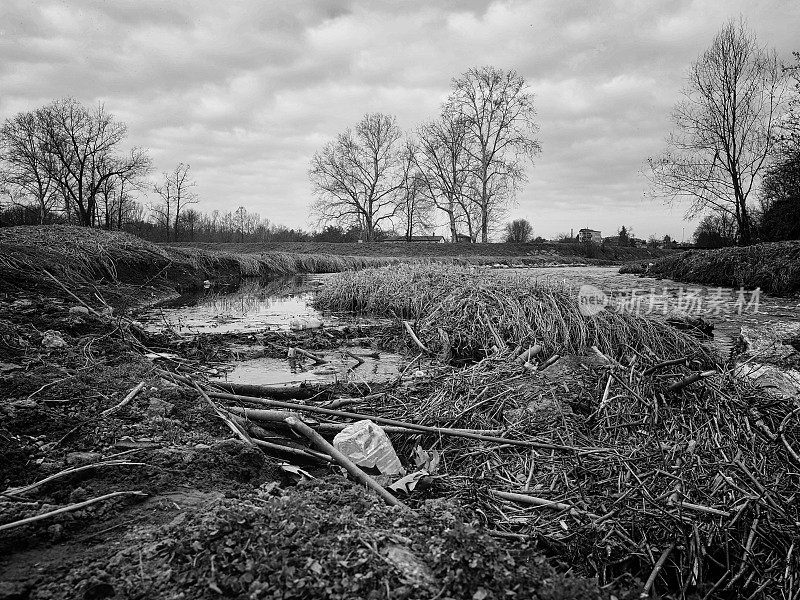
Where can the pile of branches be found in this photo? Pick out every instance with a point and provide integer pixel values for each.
(685, 480)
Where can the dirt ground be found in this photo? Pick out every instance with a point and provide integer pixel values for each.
(202, 515)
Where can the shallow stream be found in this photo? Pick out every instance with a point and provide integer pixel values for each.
(286, 303)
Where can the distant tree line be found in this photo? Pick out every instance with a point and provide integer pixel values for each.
(68, 159)
(734, 151)
(466, 165)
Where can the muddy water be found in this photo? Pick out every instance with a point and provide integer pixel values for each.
(255, 305)
(284, 303)
(278, 304)
(725, 308)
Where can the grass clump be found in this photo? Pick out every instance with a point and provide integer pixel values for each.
(478, 311)
(773, 267)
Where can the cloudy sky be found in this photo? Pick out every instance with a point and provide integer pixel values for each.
(247, 91)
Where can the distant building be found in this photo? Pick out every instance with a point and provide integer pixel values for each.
(431, 239)
(463, 238)
(590, 235)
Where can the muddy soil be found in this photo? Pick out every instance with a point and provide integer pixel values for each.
(207, 516)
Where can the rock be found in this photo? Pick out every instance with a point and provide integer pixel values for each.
(159, 408)
(77, 459)
(79, 494)
(413, 571)
(769, 343)
(785, 383)
(78, 310)
(367, 445)
(53, 339)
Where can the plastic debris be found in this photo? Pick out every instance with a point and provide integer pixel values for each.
(367, 445)
(53, 339)
(298, 324)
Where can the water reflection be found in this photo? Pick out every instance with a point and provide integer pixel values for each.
(254, 305)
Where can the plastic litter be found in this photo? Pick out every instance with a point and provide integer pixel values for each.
(367, 445)
(297, 324)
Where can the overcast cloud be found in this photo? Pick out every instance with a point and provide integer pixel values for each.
(247, 91)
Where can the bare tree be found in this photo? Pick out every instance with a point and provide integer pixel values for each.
(27, 168)
(175, 193)
(443, 164)
(357, 177)
(497, 109)
(725, 128)
(85, 146)
(415, 205)
(518, 231)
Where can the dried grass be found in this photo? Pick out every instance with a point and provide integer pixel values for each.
(79, 254)
(773, 267)
(479, 311)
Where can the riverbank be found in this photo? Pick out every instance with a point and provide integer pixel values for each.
(82, 254)
(773, 267)
(487, 253)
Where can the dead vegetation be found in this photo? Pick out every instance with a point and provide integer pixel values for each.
(80, 254)
(773, 267)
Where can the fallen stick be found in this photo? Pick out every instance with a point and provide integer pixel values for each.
(656, 569)
(297, 452)
(131, 395)
(414, 337)
(323, 446)
(403, 424)
(534, 501)
(700, 508)
(300, 391)
(91, 310)
(317, 359)
(528, 354)
(549, 362)
(679, 385)
(356, 357)
(64, 509)
(111, 463)
(668, 363)
(237, 429)
(279, 416)
(261, 438)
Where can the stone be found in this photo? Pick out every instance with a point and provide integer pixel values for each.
(159, 408)
(78, 310)
(77, 459)
(768, 343)
(53, 339)
(784, 383)
(413, 571)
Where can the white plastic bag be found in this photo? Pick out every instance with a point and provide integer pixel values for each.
(367, 445)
